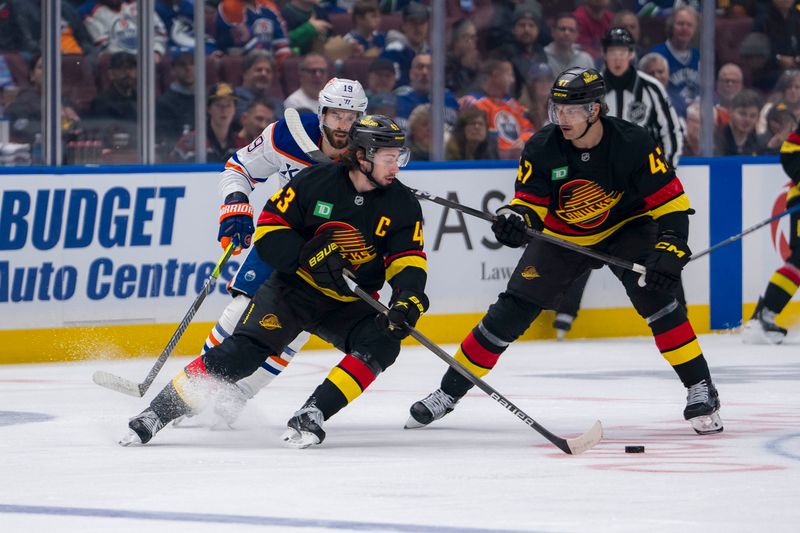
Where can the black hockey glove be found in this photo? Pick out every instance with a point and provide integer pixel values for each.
(321, 258)
(236, 222)
(510, 228)
(665, 263)
(404, 309)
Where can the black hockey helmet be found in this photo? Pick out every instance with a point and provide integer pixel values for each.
(578, 85)
(372, 132)
(618, 37)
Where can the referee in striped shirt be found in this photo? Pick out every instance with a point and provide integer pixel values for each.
(637, 97)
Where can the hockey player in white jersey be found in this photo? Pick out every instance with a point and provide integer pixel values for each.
(276, 152)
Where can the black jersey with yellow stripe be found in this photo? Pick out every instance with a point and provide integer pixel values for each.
(790, 158)
(379, 232)
(585, 195)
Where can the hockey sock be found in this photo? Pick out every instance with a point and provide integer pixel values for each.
(678, 344)
(782, 287)
(272, 367)
(479, 353)
(345, 383)
(227, 322)
(182, 395)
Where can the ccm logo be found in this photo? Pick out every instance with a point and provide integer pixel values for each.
(670, 248)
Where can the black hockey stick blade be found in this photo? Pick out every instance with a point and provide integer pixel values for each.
(295, 125)
(116, 383)
(608, 259)
(573, 446)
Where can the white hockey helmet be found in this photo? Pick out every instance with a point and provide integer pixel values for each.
(341, 93)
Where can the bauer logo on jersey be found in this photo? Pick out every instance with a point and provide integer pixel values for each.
(585, 204)
(323, 209)
(352, 244)
(270, 322)
(558, 173)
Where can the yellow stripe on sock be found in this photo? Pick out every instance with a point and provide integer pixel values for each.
(475, 369)
(787, 285)
(186, 390)
(683, 354)
(345, 383)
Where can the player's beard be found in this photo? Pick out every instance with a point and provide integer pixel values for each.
(336, 144)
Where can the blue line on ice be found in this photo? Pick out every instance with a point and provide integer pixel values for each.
(269, 521)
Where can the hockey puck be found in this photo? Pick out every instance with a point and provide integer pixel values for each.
(634, 449)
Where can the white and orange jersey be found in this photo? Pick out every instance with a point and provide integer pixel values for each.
(274, 152)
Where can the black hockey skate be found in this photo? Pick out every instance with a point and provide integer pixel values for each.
(702, 408)
(433, 407)
(761, 328)
(142, 428)
(305, 427)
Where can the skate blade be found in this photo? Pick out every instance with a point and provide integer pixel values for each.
(707, 424)
(299, 439)
(412, 423)
(753, 333)
(130, 439)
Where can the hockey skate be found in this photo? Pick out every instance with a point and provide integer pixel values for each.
(562, 325)
(702, 408)
(141, 428)
(305, 428)
(228, 406)
(762, 329)
(433, 407)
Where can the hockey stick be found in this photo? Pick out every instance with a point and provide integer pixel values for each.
(295, 125)
(572, 446)
(116, 383)
(611, 260)
(751, 229)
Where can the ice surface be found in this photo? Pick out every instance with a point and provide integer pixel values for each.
(478, 469)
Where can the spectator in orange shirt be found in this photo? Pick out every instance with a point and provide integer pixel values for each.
(507, 118)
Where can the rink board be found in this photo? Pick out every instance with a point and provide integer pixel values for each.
(105, 261)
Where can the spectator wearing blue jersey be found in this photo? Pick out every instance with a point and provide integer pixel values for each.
(419, 93)
(402, 46)
(365, 37)
(682, 57)
(178, 19)
(247, 26)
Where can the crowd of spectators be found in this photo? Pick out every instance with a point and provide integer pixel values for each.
(501, 58)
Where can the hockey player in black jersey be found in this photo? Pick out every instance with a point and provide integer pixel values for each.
(600, 182)
(782, 286)
(352, 216)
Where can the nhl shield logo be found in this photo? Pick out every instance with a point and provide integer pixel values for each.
(636, 112)
(358, 200)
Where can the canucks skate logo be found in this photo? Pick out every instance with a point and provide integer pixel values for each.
(530, 272)
(270, 322)
(353, 246)
(585, 204)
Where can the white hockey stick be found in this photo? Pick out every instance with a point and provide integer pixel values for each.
(572, 446)
(116, 383)
(295, 125)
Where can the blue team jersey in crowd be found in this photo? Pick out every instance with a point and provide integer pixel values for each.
(684, 78)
